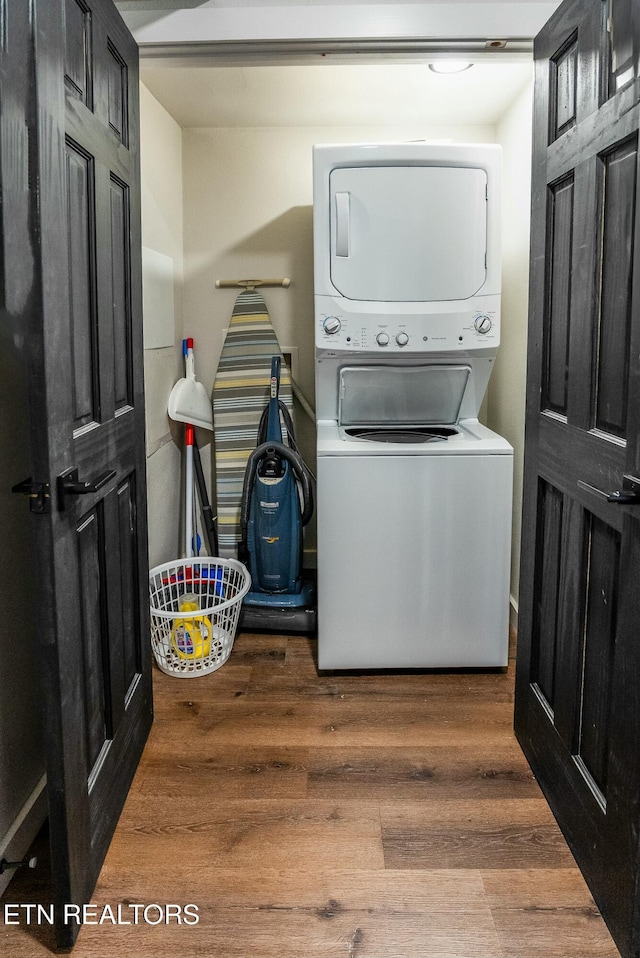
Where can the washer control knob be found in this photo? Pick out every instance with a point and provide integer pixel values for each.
(482, 324)
(402, 339)
(382, 339)
(331, 325)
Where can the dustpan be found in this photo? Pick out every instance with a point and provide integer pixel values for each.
(188, 400)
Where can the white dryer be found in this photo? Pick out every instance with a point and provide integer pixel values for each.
(414, 494)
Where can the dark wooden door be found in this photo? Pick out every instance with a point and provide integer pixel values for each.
(84, 350)
(578, 674)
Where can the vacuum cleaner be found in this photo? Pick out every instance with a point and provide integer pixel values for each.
(277, 502)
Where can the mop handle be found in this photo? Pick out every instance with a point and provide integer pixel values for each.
(188, 479)
(187, 352)
(189, 359)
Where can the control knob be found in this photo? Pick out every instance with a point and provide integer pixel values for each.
(482, 324)
(402, 339)
(382, 339)
(331, 325)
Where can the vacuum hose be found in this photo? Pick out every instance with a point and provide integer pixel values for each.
(288, 423)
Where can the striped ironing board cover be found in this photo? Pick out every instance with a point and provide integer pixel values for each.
(240, 394)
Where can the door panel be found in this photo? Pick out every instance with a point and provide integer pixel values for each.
(578, 656)
(131, 665)
(564, 84)
(90, 547)
(624, 31)
(618, 174)
(87, 410)
(603, 562)
(120, 287)
(81, 228)
(78, 48)
(545, 632)
(561, 199)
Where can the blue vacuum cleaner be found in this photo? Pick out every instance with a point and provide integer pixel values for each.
(277, 502)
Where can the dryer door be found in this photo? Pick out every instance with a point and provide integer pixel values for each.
(408, 233)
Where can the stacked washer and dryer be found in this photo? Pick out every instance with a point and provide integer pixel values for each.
(413, 493)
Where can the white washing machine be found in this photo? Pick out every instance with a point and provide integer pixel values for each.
(413, 493)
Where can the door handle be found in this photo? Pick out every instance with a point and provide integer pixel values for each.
(629, 495)
(342, 224)
(625, 497)
(69, 485)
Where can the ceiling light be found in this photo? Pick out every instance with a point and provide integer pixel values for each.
(450, 66)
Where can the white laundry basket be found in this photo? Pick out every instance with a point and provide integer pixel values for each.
(195, 605)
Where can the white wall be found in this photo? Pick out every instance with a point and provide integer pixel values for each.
(248, 214)
(506, 403)
(162, 233)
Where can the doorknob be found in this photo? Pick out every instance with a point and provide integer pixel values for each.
(69, 485)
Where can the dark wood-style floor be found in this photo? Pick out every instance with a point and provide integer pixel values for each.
(340, 816)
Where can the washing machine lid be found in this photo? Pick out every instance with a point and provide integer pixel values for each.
(401, 395)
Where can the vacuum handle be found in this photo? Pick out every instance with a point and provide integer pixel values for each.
(274, 431)
(275, 377)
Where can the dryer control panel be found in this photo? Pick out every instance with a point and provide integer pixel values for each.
(338, 328)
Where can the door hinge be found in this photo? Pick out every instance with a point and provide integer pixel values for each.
(38, 493)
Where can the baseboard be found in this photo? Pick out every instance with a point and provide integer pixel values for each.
(15, 844)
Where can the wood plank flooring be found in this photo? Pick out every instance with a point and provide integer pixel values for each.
(332, 816)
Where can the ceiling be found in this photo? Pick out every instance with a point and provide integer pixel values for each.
(192, 4)
(196, 22)
(393, 93)
(231, 85)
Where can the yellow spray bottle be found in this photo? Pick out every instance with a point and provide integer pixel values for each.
(191, 636)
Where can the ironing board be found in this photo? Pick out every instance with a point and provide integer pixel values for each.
(240, 394)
